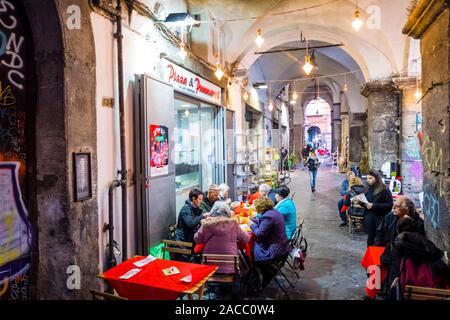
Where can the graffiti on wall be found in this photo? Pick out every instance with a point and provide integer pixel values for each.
(411, 149)
(16, 235)
(431, 206)
(433, 162)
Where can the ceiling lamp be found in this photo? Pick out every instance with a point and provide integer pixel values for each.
(294, 96)
(219, 73)
(182, 53)
(357, 22)
(345, 87)
(270, 106)
(259, 39)
(245, 96)
(418, 93)
(308, 67)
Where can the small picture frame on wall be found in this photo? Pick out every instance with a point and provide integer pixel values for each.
(82, 176)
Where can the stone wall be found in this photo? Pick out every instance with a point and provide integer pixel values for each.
(65, 123)
(430, 22)
(383, 122)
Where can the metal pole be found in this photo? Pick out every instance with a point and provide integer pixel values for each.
(123, 159)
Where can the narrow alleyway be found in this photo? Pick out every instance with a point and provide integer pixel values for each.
(332, 270)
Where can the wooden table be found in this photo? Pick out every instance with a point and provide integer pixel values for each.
(151, 284)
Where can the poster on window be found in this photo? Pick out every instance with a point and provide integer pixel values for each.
(159, 150)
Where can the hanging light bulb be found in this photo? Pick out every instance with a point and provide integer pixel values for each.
(345, 87)
(270, 106)
(186, 113)
(259, 39)
(357, 22)
(294, 96)
(182, 53)
(219, 73)
(308, 67)
(245, 96)
(418, 93)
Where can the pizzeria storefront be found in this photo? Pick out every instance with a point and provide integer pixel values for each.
(192, 122)
(199, 132)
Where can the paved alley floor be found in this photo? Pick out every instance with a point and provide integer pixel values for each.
(332, 269)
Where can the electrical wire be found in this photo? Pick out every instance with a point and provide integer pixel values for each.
(273, 14)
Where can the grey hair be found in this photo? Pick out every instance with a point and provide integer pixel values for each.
(221, 209)
(264, 188)
(213, 187)
(407, 204)
(224, 188)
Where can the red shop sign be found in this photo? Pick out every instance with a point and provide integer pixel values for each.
(188, 82)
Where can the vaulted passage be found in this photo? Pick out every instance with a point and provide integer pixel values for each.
(188, 129)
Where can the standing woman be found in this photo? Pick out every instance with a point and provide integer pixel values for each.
(380, 204)
(313, 164)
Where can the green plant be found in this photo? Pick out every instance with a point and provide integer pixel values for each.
(293, 160)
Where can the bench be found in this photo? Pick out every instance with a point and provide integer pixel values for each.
(423, 293)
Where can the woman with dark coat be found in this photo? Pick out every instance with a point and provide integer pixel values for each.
(271, 244)
(379, 204)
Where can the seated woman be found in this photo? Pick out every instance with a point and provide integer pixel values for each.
(356, 188)
(271, 244)
(254, 194)
(287, 208)
(220, 234)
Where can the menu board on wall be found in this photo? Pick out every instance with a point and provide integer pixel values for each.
(159, 150)
(190, 83)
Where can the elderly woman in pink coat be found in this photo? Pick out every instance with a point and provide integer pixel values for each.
(220, 233)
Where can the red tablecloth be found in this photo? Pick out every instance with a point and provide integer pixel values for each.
(150, 283)
(372, 258)
(248, 247)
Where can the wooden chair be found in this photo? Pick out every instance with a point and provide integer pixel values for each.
(172, 231)
(100, 295)
(222, 260)
(423, 293)
(180, 247)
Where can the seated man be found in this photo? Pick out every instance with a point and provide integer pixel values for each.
(210, 198)
(189, 220)
(388, 231)
(254, 194)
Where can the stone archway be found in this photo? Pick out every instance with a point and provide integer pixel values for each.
(67, 231)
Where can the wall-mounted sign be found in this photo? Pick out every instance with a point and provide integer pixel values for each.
(82, 176)
(186, 81)
(159, 150)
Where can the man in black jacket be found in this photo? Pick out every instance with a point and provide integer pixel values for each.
(189, 219)
(388, 231)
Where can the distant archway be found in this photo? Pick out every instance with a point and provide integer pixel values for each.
(318, 124)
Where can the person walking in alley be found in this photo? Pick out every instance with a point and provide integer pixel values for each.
(313, 164)
(189, 220)
(379, 204)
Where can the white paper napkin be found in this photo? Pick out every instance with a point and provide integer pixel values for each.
(129, 274)
(187, 279)
(145, 261)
